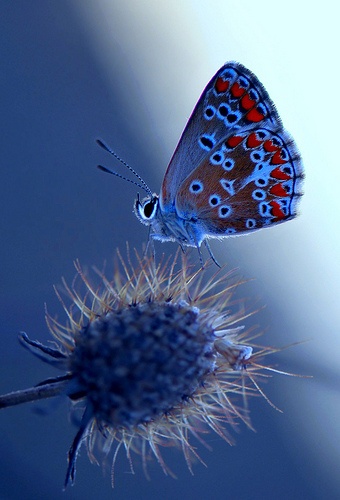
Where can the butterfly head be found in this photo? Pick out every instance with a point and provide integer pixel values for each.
(146, 209)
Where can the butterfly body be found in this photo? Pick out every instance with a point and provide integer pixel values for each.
(235, 168)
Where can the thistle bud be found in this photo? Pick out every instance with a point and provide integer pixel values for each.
(150, 357)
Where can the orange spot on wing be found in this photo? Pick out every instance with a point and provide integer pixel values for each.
(234, 141)
(276, 210)
(278, 190)
(247, 102)
(237, 90)
(277, 173)
(253, 141)
(221, 85)
(254, 115)
(276, 159)
(270, 147)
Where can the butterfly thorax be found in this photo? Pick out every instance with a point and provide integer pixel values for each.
(167, 225)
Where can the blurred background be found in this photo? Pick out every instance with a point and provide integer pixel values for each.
(130, 72)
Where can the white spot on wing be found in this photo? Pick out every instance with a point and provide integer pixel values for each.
(228, 186)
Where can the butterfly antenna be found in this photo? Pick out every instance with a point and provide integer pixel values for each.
(142, 185)
(108, 171)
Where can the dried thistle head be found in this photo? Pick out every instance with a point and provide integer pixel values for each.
(152, 357)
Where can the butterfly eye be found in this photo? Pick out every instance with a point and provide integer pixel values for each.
(146, 209)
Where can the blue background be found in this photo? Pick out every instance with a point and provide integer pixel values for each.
(130, 73)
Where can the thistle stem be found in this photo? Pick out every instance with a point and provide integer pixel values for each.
(44, 391)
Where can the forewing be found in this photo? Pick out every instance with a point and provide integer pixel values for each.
(233, 99)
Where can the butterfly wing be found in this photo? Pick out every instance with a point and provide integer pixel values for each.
(251, 179)
(233, 99)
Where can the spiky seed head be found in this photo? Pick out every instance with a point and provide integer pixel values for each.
(138, 362)
(152, 356)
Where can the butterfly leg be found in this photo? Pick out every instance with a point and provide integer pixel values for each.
(182, 248)
(149, 243)
(207, 246)
(200, 256)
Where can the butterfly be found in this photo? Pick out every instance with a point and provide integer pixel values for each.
(235, 169)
